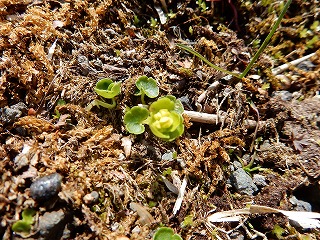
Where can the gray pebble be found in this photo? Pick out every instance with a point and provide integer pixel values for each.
(52, 224)
(147, 70)
(284, 95)
(259, 180)
(237, 165)
(242, 182)
(300, 205)
(9, 115)
(46, 187)
(168, 156)
(306, 65)
(84, 65)
(90, 198)
(237, 235)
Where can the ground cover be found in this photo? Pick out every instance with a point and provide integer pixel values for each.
(73, 172)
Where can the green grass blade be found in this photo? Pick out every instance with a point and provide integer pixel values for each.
(195, 53)
(266, 41)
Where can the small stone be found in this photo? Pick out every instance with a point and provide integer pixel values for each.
(9, 115)
(306, 65)
(237, 235)
(115, 226)
(22, 159)
(91, 198)
(136, 229)
(46, 187)
(168, 156)
(300, 205)
(259, 180)
(52, 224)
(237, 165)
(147, 70)
(284, 95)
(242, 182)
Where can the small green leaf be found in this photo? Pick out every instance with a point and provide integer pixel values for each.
(24, 225)
(148, 86)
(107, 88)
(278, 231)
(134, 119)
(165, 233)
(187, 222)
(21, 226)
(27, 215)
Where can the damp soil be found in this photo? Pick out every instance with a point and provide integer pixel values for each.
(111, 183)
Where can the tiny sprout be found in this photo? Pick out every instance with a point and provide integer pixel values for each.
(166, 121)
(108, 89)
(147, 86)
(24, 225)
(165, 233)
(135, 118)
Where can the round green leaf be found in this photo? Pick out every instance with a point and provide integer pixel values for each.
(107, 88)
(135, 128)
(165, 233)
(162, 103)
(178, 107)
(148, 86)
(134, 118)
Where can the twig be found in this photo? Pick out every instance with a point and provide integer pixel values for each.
(284, 67)
(213, 119)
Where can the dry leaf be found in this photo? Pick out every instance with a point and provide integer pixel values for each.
(145, 216)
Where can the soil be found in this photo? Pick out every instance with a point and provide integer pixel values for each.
(111, 183)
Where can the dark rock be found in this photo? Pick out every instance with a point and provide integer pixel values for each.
(46, 187)
(52, 224)
(242, 182)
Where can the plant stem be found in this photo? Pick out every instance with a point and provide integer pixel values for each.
(195, 53)
(99, 103)
(142, 98)
(266, 41)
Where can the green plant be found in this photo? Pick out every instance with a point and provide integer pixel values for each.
(135, 118)
(57, 114)
(202, 5)
(147, 86)
(278, 231)
(164, 118)
(166, 121)
(24, 225)
(255, 57)
(187, 222)
(165, 233)
(107, 89)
